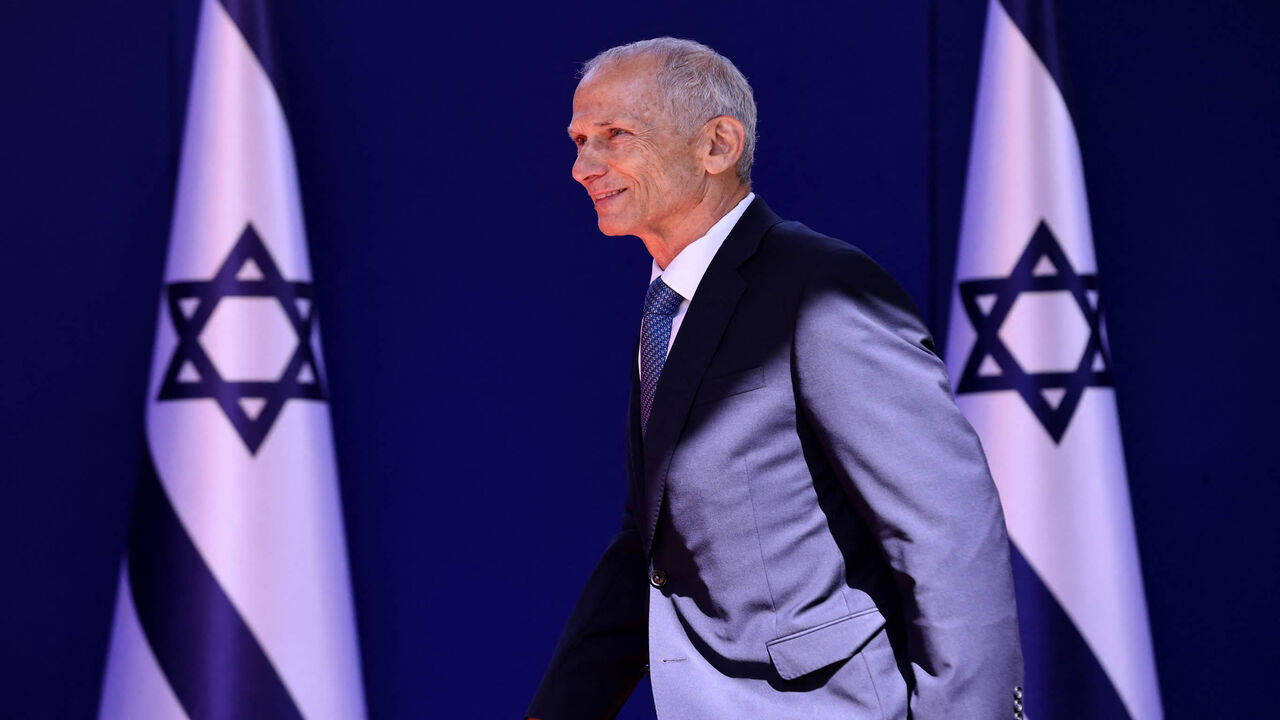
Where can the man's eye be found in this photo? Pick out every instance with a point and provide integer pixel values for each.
(615, 132)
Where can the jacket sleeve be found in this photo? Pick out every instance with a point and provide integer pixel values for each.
(604, 648)
(880, 402)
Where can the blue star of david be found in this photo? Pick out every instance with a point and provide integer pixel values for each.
(191, 373)
(1094, 368)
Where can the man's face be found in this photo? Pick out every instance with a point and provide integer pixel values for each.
(641, 172)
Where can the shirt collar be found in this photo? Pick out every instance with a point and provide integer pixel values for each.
(685, 271)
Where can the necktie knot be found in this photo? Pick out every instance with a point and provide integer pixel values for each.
(661, 299)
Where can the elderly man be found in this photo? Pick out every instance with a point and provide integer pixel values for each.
(811, 530)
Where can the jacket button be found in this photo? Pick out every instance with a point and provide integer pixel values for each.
(658, 578)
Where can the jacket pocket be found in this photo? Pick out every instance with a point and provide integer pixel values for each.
(731, 384)
(803, 652)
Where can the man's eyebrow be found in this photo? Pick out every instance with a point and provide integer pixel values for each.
(602, 123)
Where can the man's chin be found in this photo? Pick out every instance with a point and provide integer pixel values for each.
(612, 229)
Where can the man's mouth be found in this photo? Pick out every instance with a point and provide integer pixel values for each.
(606, 195)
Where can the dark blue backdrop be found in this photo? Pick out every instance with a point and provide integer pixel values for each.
(483, 475)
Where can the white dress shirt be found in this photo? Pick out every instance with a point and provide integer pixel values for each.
(685, 271)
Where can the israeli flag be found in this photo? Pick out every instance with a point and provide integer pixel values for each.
(1029, 358)
(235, 597)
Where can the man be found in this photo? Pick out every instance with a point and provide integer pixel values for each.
(811, 530)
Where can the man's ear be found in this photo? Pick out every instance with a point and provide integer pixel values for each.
(724, 139)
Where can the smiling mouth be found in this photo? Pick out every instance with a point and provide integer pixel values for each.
(605, 196)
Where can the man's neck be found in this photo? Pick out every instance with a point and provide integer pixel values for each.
(664, 248)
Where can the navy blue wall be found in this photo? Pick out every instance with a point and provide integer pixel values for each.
(480, 434)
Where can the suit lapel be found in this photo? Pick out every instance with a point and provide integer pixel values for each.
(635, 440)
(700, 332)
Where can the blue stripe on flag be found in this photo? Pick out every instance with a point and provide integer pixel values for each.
(1064, 680)
(1036, 19)
(214, 664)
(254, 21)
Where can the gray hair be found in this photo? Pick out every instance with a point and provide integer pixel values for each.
(697, 84)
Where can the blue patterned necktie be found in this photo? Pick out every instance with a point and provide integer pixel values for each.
(660, 306)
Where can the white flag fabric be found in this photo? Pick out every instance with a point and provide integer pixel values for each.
(235, 597)
(1028, 354)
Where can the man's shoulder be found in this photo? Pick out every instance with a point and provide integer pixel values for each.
(814, 264)
(798, 238)
(791, 246)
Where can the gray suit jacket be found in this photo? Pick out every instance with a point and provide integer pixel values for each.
(811, 529)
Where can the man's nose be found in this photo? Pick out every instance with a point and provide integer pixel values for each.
(588, 164)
